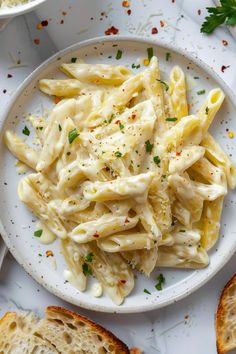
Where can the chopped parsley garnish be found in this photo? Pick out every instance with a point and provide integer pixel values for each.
(89, 257)
(73, 60)
(121, 126)
(160, 282)
(86, 269)
(150, 53)
(207, 110)
(165, 84)
(112, 117)
(168, 56)
(196, 77)
(157, 160)
(118, 54)
(26, 131)
(146, 291)
(118, 154)
(226, 13)
(182, 230)
(201, 92)
(135, 66)
(59, 127)
(149, 146)
(169, 119)
(38, 233)
(72, 135)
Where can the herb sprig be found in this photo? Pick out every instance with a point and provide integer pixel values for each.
(226, 13)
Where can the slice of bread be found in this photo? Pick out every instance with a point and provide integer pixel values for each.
(16, 336)
(226, 318)
(62, 331)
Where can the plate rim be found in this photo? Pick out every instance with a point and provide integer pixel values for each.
(54, 290)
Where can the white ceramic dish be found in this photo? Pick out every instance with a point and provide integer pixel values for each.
(18, 224)
(7, 13)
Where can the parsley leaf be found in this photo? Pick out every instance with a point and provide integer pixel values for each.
(201, 92)
(118, 154)
(146, 291)
(226, 13)
(26, 131)
(72, 135)
(169, 119)
(164, 83)
(59, 127)
(157, 160)
(38, 233)
(73, 60)
(118, 54)
(168, 56)
(89, 257)
(86, 269)
(150, 53)
(160, 281)
(149, 146)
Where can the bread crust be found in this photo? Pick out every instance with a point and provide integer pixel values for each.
(119, 345)
(220, 316)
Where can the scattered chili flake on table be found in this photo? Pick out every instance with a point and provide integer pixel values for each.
(230, 135)
(162, 24)
(36, 41)
(49, 253)
(223, 68)
(129, 12)
(154, 30)
(224, 42)
(44, 23)
(111, 30)
(39, 26)
(199, 12)
(125, 4)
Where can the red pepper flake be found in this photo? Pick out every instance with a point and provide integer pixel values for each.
(36, 41)
(225, 42)
(199, 12)
(39, 26)
(178, 153)
(9, 76)
(62, 22)
(186, 317)
(123, 281)
(129, 12)
(162, 24)
(154, 30)
(49, 253)
(111, 30)
(133, 116)
(127, 221)
(44, 23)
(223, 68)
(57, 99)
(96, 235)
(117, 122)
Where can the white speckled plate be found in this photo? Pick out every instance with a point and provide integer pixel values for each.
(18, 224)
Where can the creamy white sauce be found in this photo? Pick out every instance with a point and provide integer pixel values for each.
(47, 236)
(96, 290)
(21, 167)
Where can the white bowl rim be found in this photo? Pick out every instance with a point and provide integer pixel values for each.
(57, 292)
(8, 12)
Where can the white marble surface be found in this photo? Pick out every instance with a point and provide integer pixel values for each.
(187, 326)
